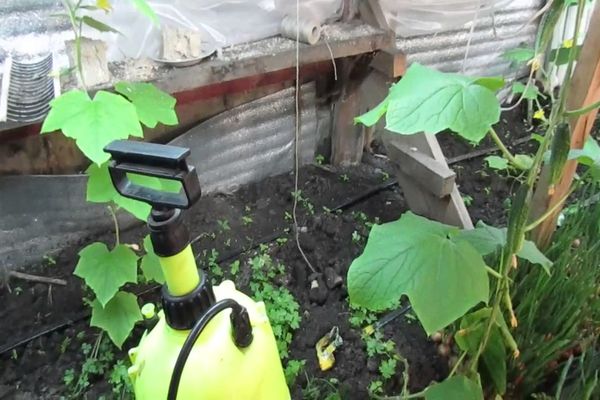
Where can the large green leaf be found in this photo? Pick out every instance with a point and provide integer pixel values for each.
(456, 388)
(371, 117)
(472, 328)
(590, 153)
(118, 317)
(152, 105)
(151, 264)
(588, 156)
(488, 239)
(100, 189)
(106, 271)
(443, 277)
(426, 100)
(93, 123)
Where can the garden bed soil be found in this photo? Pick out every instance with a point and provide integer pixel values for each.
(35, 370)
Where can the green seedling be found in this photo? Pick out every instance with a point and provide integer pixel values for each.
(64, 345)
(375, 387)
(49, 260)
(304, 202)
(247, 220)
(468, 200)
(292, 370)
(234, 267)
(345, 178)
(282, 307)
(320, 159)
(321, 389)
(223, 225)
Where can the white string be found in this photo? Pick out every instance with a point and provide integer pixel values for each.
(296, 139)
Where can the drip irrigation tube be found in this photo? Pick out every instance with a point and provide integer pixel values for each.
(226, 257)
(267, 239)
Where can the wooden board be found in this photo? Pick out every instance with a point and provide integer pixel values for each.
(584, 90)
(435, 177)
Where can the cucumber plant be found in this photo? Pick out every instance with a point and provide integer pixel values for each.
(94, 122)
(443, 270)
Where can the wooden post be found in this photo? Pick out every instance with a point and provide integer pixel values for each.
(583, 91)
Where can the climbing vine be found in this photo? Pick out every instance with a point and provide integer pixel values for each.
(94, 122)
(443, 270)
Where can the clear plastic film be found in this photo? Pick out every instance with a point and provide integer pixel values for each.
(418, 17)
(219, 22)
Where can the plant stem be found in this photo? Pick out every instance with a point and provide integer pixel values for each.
(116, 222)
(410, 396)
(493, 272)
(502, 288)
(549, 211)
(76, 28)
(507, 154)
(582, 111)
(458, 362)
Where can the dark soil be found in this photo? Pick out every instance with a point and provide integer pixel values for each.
(35, 370)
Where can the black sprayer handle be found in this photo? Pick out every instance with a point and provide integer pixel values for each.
(157, 160)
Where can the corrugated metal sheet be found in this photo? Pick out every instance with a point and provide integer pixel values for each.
(245, 144)
(253, 141)
(30, 28)
(446, 50)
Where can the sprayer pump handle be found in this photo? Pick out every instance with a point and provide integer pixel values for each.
(156, 160)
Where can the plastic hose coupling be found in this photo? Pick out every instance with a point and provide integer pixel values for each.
(182, 312)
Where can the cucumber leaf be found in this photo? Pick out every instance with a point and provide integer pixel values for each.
(106, 271)
(442, 275)
(118, 317)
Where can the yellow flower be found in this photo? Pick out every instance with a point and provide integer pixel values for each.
(103, 5)
(539, 114)
(568, 43)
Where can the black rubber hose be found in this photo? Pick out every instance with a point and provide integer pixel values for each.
(188, 345)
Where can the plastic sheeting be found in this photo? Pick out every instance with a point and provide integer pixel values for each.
(477, 52)
(220, 22)
(417, 17)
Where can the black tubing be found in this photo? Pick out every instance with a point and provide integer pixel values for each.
(188, 345)
(270, 238)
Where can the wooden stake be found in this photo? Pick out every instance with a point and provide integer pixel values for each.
(37, 278)
(583, 91)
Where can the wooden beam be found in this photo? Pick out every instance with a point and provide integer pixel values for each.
(448, 209)
(391, 62)
(372, 13)
(259, 57)
(434, 176)
(347, 138)
(584, 90)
